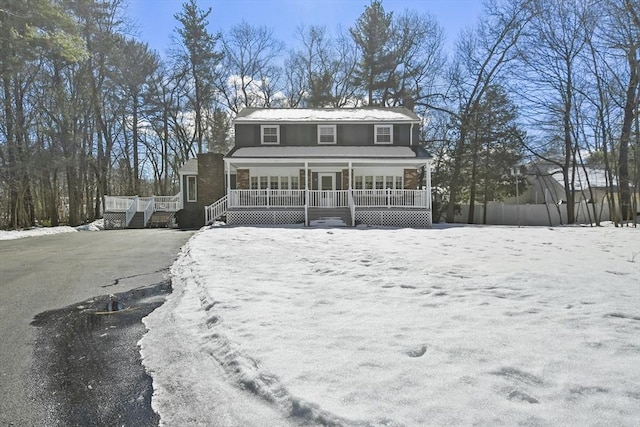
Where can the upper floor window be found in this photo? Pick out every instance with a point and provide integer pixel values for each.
(384, 134)
(270, 134)
(326, 134)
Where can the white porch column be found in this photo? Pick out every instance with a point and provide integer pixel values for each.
(227, 166)
(353, 219)
(306, 194)
(427, 171)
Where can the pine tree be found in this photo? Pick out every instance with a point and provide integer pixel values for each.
(495, 148)
(372, 34)
(201, 60)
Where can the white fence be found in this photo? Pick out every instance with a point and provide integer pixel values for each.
(541, 214)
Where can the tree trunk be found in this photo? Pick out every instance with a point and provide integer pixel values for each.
(625, 136)
(472, 184)
(136, 164)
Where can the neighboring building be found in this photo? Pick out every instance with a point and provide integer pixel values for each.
(313, 166)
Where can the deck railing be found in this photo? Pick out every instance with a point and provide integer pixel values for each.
(155, 203)
(327, 198)
(168, 203)
(117, 203)
(148, 209)
(133, 208)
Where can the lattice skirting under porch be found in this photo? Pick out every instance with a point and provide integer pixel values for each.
(115, 220)
(265, 217)
(391, 218)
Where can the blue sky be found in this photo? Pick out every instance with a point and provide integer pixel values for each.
(155, 22)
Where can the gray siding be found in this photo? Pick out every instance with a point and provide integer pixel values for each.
(248, 135)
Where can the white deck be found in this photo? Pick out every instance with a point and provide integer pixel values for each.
(130, 205)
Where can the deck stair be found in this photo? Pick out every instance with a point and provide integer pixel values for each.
(137, 221)
(329, 217)
(161, 219)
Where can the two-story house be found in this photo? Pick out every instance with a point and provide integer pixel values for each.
(302, 166)
(351, 166)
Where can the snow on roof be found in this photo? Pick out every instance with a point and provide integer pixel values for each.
(399, 114)
(323, 152)
(596, 178)
(189, 168)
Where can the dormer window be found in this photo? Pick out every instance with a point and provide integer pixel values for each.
(383, 134)
(326, 134)
(270, 134)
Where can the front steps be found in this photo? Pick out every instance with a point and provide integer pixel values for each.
(329, 217)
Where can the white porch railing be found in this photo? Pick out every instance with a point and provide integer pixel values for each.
(327, 199)
(266, 198)
(390, 198)
(215, 210)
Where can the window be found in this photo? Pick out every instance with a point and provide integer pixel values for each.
(326, 134)
(192, 189)
(377, 182)
(270, 134)
(273, 182)
(388, 182)
(357, 182)
(368, 183)
(398, 182)
(294, 183)
(384, 134)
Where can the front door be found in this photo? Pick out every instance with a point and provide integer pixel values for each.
(327, 184)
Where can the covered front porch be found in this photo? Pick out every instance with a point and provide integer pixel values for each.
(376, 191)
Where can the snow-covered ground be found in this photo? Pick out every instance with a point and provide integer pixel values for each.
(388, 327)
(45, 231)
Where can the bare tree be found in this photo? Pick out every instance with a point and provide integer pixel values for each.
(483, 54)
(250, 77)
(552, 81)
(624, 36)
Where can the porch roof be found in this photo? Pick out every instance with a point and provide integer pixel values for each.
(326, 152)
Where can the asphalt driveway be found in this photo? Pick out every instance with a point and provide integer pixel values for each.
(40, 276)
